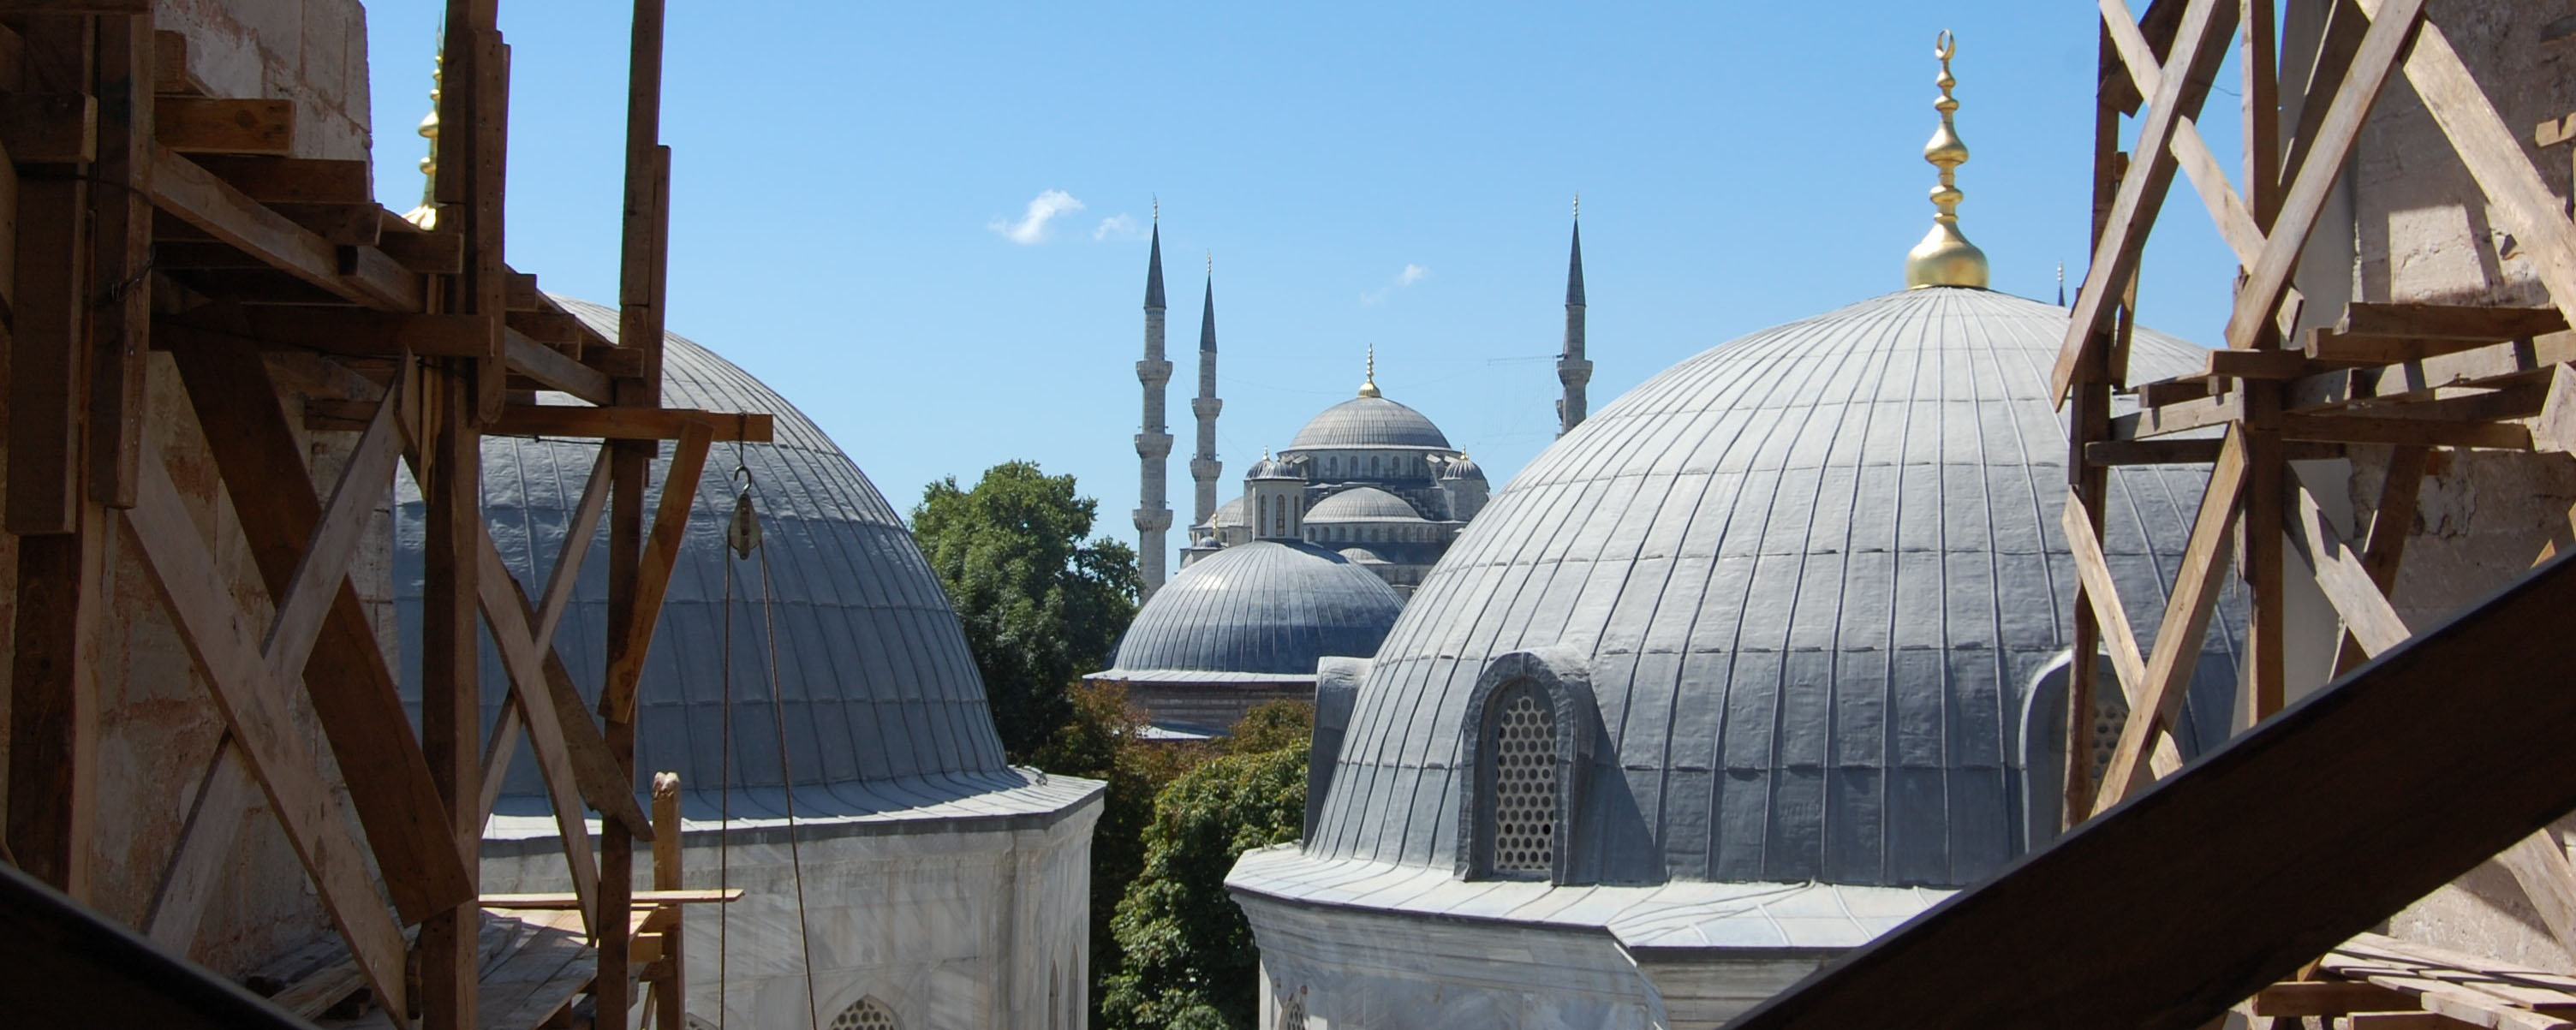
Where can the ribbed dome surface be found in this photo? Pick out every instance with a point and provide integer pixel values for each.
(1228, 514)
(883, 704)
(1368, 422)
(1814, 570)
(1271, 607)
(1362, 504)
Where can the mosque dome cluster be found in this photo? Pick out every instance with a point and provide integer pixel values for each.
(1262, 611)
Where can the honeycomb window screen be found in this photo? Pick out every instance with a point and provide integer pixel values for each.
(866, 1014)
(1522, 833)
(2110, 713)
(1292, 1016)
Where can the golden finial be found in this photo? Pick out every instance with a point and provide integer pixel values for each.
(426, 215)
(1945, 258)
(1368, 386)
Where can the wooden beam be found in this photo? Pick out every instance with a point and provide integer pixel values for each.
(451, 722)
(661, 555)
(2348, 348)
(294, 180)
(361, 708)
(2341, 574)
(569, 746)
(2478, 367)
(2521, 200)
(365, 479)
(2179, 635)
(261, 714)
(428, 253)
(2230, 875)
(347, 331)
(2475, 324)
(206, 839)
(640, 900)
(2391, 522)
(197, 197)
(631, 423)
(2328, 998)
(2094, 570)
(75, 6)
(2180, 417)
(2114, 453)
(569, 558)
(50, 128)
(2268, 279)
(553, 370)
(171, 71)
(2539, 865)
(2335, 46)
(2199, 46)
(121, 255)
(2406, 432)
(207, 125)
(46, 358)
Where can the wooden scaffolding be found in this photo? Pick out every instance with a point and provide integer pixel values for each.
(146, 215)
(2249, 874)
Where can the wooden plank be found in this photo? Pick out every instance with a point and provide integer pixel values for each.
(121, 255)
(640, 900)
(2341, 575)
(2235, 223)
(294, 180)
(210, 125)
(2328, 998)
(2539, 865)
(2229, 875)
(630, 423)
(197, 197)
(2258, 364)
(2476, 367)
(2094, 570)
(2179, 636)
(2180, 417)
(261, 714)
(2200, 44)
(429, 253)
(206, 839)
(361, 709)
(2335, 47)
(567, 747)
(552, 328)
(323, 571)
(2406, 431)
(2392, 520)
(451, 722)
(2347, 348)
(2473, 324)
(2173, 391)
(341, 225)
(75, 6)
(661, 554)
(46, 359)
(171, 71)
(2523, 204)
(2114, 453)
(2268, 279)
(50, 128)
(552, 369)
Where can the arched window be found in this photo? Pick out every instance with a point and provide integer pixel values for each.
(866, 1014)
(1332, 465)
(1374, 468)
(1292, 1016)
(1260, 510)
(1520, 774)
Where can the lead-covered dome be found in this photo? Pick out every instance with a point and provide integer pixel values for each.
(1362, 504)
(884, 707)
(1363, 422)
(1810, 575)
(1264, 610)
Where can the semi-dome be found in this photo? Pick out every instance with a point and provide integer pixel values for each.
(1362, 555)
(1265, 610)
(1229, 514)
(1370, 421)
(1462, 467)
(1810, 575)
(1362, 504)
(884, 707)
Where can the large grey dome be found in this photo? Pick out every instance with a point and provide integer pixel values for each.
(1362, 504)
(1810, 573)
(1264, 610)
(1363, 422)
(884, 708)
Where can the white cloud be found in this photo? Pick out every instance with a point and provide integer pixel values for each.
(1120, 227)
(1032, 227)
(1411, 274)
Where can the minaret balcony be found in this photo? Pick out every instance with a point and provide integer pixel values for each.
(1156, 446)
(1154, 373)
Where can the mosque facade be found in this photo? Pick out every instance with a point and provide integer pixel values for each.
(1759, 662)
(835, 755)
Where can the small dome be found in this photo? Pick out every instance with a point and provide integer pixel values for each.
(1362, 555)
(889, 710)
(1368, 422)
(1268, 607)
(1362, 504)
(1810, 575)
(1270, 468)
(1228, 514)
(1462, 467)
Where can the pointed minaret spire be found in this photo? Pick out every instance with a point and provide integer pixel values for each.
(1204, 467)
(1572, 370)
(2061, 284)
(1153, 443)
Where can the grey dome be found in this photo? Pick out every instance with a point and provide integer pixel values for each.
(1810, 573)
(1362, 504)
(1362, 555)
(1228, 514)
(1462, 467)
(1363, 422)
(1266, 609)
(883, 704)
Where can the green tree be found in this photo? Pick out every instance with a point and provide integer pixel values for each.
(1187, 955)
(1105, 740)
(1041, 606)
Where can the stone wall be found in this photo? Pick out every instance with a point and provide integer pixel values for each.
(313, 52)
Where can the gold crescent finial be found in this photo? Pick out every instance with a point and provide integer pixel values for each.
(1368, 385)
(1945, 258)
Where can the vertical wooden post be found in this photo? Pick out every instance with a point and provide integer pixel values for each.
(451, 716)
(2089, 419)
(2265, 498)
(63, 550)
(669, 991)
(122, 311)
(627, 470)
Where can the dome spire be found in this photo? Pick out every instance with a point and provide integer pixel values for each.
(1368, 385)
(1945, 258)
(426, 215)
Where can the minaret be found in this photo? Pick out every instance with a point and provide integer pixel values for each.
(1571, 368)
(1153, 445)
(1203, 464)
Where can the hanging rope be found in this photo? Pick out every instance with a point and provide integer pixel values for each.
(724, 772)
(743, 535)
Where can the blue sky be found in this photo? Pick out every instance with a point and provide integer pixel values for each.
(848, 175)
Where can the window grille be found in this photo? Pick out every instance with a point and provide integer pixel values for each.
(1292, 1016)
(865, 1014)
(1523, 745)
